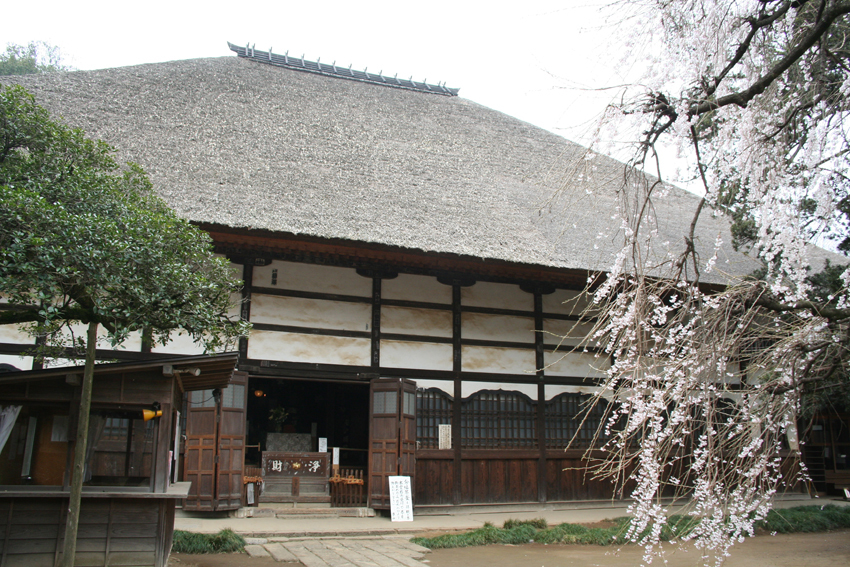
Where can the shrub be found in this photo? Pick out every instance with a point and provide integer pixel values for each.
(225, 541)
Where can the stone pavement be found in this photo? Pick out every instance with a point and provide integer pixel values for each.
(388, 551)
(454, 519)
(376, 541)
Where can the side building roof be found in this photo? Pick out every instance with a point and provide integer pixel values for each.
(237, 143)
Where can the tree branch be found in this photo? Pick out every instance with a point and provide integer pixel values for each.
(744, 97)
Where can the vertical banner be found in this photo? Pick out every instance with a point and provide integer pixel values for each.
(401, 499)
(323, 444)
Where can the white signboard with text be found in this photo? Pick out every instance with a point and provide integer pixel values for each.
(445, 439)
(401, 499)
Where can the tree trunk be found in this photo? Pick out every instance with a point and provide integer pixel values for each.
(70, 549)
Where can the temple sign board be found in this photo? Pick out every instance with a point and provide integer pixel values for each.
(401, 499)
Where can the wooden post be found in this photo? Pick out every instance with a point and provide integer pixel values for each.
(70, 548)
(457, 367)
(540, 361)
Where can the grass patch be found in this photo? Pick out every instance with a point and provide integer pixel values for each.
(525, 531)
(789, 520)
(225, 541)
(807, 519)
(539, 523)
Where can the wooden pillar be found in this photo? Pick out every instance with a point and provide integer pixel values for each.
(457, 496)
(539, 361)
(376, 322)
(245, 312)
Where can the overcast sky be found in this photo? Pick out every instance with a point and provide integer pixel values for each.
(535, 60)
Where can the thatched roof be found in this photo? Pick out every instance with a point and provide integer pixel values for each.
(242, 144)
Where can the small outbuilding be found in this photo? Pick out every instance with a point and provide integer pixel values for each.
(132, 458)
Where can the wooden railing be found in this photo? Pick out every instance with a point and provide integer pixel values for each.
(348, 489)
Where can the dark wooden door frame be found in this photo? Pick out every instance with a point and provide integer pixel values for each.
(392, 436)
(218, 493)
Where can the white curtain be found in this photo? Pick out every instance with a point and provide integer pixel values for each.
(8, 417)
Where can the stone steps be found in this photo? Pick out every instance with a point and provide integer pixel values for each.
(290, 512)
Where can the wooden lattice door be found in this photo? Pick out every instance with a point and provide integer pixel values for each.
(231, 443)
(215, 447)
(392, 436)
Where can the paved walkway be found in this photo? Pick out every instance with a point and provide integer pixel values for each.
(459, 518)
(378, 542)
(342, 552)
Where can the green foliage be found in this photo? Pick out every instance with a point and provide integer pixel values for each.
(278, 417)
(539, 523)
(790, 520)
(85, 240)
(225, 541)
(807, 519)
(517, 532)
(35, 57)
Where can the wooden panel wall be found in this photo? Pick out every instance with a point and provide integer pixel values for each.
(115, 532)
(566, 479)
(502, 477)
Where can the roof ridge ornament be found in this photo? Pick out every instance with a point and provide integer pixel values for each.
(270, 58)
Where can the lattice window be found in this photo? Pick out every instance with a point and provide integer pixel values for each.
(433, 408)
(233, 396)
(566, 421)
(115, 428)
(202, 399)
(498, 419)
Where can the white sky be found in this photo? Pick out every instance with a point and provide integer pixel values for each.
(533, 59)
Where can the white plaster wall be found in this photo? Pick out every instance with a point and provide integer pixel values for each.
(558, 331)
(411, 321)
(575, 364)
(133, 342)
(179, 343)
(424, 356)
(530, 390)
(469, 388)
(497, 360)
(416, 288)
(565, 302)
(19, 362)
(315, 313)
(297, 347)
(497, 327)
(15, 334)
(497, 295)
(236, 269)
(446, 386)
(312, 277)
(62, 363)
(235, 305)
(553, 391)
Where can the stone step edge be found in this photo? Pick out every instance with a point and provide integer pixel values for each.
(279, 536)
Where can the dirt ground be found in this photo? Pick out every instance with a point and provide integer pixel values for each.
(826, 549)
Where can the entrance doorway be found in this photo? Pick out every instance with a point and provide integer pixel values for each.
(337, 411)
